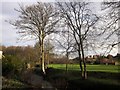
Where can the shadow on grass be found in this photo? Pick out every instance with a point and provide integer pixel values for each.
(72, 80)
(92, 84)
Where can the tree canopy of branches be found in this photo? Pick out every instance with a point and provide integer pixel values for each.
(36, 22)
(112, 20)
(66, 43)
(80, 19)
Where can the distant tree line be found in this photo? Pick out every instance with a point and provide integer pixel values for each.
(17, 57)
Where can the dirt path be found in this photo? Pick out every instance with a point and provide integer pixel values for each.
(35, 80)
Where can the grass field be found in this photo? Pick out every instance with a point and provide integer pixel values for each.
(96, 68)
(100, 77)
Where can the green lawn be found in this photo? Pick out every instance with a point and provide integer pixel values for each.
(97, 68)
(100, 77)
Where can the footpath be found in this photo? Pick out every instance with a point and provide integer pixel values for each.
(35, 80)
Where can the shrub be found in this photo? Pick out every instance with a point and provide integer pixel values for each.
(11, 65)
(7, 66)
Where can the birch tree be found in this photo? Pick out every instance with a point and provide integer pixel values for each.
(36, 22)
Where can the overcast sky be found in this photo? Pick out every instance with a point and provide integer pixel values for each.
(8, 36)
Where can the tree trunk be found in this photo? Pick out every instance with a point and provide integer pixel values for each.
(47, 59)
(80, 63)
(42, 53)
(67, 62)
(83, 58)
(40, 48)
(43, 62)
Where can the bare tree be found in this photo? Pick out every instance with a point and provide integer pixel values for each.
(66, 43)
(111, 18)
(36, 22)
(80, 19)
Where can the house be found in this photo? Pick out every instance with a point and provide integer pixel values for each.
(91, 59)
(107, 61)
(117, 59)
(117, 63)
(96, 59)
(110, 57)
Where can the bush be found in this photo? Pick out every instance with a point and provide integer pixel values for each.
(11, 65)
(7, 66)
